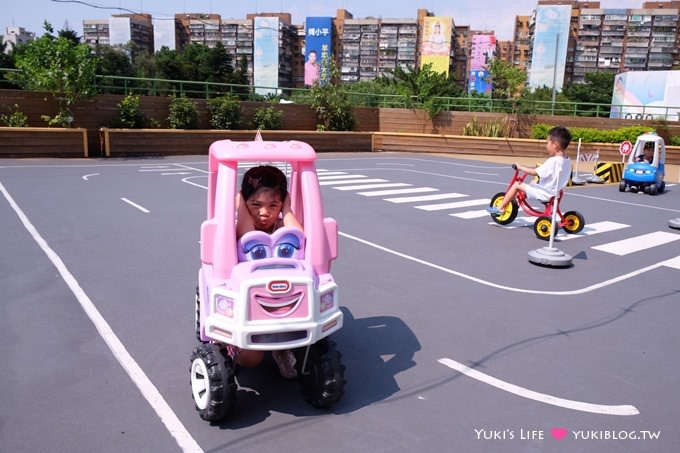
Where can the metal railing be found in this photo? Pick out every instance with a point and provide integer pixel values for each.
(197, 89)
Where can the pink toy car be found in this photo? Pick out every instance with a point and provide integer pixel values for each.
(265, 292)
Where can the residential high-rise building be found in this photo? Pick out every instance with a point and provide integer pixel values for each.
(120, 30)
(17, 35)
(237, 39)
(199, 28)
(617, 40)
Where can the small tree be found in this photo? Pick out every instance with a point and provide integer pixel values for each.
(267, 118)
(329, 100)
(225, 112)
(183, 113)
(61, 67)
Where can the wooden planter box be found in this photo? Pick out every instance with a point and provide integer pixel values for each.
(43, 142)
(157, 142)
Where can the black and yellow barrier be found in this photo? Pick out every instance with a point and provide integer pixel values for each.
(609, 171)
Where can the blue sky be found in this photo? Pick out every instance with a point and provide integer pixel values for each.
(495, 15)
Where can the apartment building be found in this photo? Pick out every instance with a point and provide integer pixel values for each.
(119, 30)
(15, 36)
(237, 38)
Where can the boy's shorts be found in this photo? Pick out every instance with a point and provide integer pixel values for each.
(538, 193)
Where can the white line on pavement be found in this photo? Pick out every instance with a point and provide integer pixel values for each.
(137, 375)
(132, 203)
(540, 397)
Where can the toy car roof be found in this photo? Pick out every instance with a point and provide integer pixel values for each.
(650, 137)
(258, 150)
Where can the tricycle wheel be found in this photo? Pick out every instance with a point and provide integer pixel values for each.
(573, 222)
(212, 382)
(510, 213)
(322, 380)
(622, 186)
(543, 228)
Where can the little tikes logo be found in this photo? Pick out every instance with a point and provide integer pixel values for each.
(278, 286)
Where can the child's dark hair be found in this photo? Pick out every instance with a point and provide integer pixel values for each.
(264, 176)
(561, 135)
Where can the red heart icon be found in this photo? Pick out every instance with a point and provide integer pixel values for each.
(559, 433)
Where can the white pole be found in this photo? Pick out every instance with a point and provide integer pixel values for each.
(578, 156)
(553, 226)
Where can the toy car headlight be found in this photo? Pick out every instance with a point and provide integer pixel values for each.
(224, 306)
(327, 301)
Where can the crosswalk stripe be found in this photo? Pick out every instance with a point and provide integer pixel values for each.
(470, 214)
(342, 176)
(593, 228)
(439, 196)
(373, 186)
(637, 243)
(673, 262)
(324, 174)
(454, 205)
(350, 181)
(382, 193)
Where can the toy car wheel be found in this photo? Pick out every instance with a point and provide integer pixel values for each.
(543, 228)
(322, 380)
(573, 222)
(212, 382)
(622, 186)
(510, 213)
(651, 189)
(662, 187)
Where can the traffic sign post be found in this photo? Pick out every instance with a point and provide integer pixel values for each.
(625, 148)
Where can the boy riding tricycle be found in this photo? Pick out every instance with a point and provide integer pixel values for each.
(553, 175)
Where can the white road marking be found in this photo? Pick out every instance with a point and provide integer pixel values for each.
(592, 228)
(136, 373)
(336, 177)
(454, 205)
(176, 173)
(673, 262)
(439, 196)
(480, 173)
(637, 243)
(352, 181)
(382, 193)
(373, 186)
(87, 177)
(470, 214)
(573, 292)
(623, 410)
(132, 203)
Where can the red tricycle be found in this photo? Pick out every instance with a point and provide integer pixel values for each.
(571, 221)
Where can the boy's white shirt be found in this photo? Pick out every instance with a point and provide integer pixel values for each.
(548, 174)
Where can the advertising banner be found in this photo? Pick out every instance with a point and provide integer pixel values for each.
(482, 51)
(266, 55)
(436, 46)
(318, 39)
(646, 95)
(551, 37)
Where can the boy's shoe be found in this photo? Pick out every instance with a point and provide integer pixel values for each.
(494, 211)
(286, 362)
(633, 189)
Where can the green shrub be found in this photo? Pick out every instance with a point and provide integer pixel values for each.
(225, 112)
(539, 131)
(15, 119)
(495, 128)
(129, 115)
(267, 118)
(675, 140)
(183, 113)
